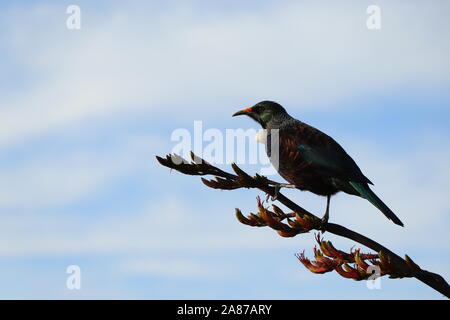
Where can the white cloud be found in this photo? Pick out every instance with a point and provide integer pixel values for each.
(60, 178)
(302, 53)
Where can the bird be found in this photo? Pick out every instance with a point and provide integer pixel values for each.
(311, 160)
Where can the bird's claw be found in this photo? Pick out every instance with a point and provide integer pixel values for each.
(277, 191)
(278, 187)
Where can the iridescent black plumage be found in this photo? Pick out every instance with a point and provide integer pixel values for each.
(311, 160)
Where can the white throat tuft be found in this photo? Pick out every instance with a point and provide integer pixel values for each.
(261, 136)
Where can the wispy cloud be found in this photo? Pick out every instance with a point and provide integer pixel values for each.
(61, 178)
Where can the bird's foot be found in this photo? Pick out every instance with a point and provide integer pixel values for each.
(277, 191)
(277, 187)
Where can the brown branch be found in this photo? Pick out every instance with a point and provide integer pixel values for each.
(228, 181)
(327, 257)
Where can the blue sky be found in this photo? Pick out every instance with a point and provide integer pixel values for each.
(84, 112)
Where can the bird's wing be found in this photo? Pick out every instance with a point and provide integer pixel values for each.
(323, 153)
(334, 162)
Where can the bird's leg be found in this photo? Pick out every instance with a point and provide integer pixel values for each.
(326, 216)
(278, 186)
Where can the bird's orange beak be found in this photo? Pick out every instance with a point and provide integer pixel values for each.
(244, 111)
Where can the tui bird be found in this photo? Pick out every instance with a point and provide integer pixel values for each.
(311, 160)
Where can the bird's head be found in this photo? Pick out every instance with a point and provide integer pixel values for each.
(263, 112)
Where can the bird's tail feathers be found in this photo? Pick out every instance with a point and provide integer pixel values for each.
(365, 192)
